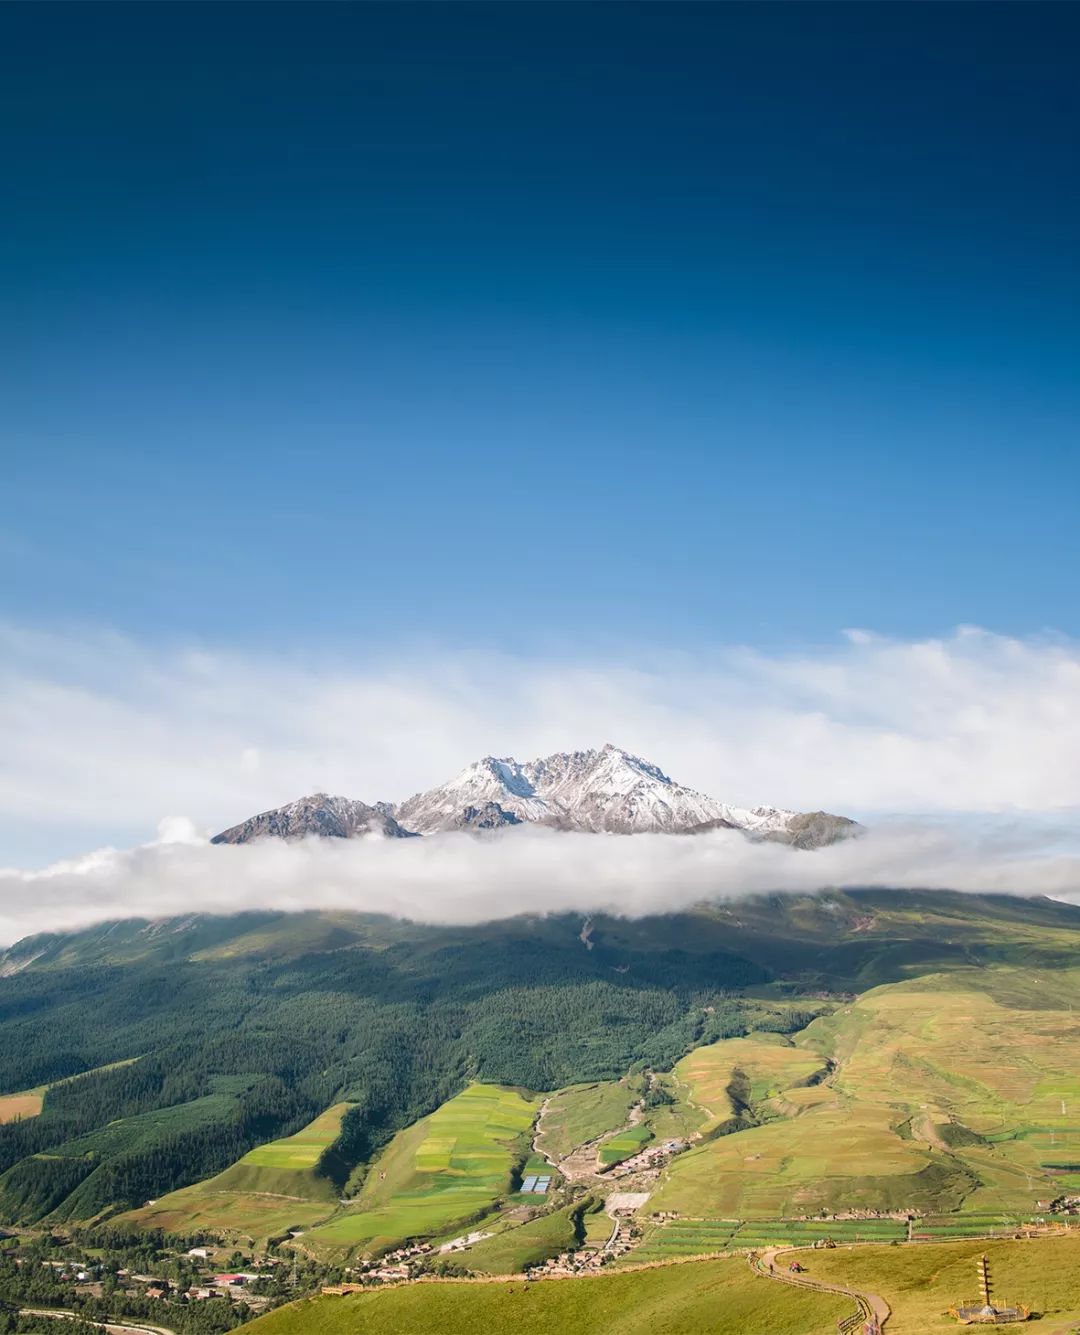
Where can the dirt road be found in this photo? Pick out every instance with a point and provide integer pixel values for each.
(112, 1327)
(868, 1304)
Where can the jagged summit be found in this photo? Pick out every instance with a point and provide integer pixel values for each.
(321, 814)
(607, 791)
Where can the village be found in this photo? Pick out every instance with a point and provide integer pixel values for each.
(180, 1284)
(95, 1279)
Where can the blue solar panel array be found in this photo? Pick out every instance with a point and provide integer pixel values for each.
(536, 1184)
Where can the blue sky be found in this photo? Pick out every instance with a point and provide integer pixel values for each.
(526, 327)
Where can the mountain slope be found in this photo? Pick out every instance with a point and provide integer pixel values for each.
(285, 1183)
(247, 1027)
(321, 814)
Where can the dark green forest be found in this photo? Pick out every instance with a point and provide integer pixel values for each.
(233, 1052)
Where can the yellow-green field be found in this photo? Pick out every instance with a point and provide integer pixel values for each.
(723, 1076)
(274, 1187)
(921, 1281)
(299, 1153)
(445, 1170)
(946, 1092)
(995, 1054)
(720, 1297)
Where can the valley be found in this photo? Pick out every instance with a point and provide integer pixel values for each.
(383, 1104)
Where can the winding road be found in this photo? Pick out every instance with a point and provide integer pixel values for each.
(870, 1305)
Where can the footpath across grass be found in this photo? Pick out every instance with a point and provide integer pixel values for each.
(921, 1281)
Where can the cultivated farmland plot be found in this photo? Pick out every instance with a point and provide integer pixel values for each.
(624, 1145)
(447, 1169)
(700, 1237)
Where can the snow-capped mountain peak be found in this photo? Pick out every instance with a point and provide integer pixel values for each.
(501, 782)
(500, 775)
(609, 791)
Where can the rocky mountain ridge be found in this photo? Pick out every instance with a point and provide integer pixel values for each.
(321, 814)
(606, 791)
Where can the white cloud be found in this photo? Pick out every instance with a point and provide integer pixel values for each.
(457, 878)
(104, 736)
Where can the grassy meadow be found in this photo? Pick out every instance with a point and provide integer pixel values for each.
(947, 1092)
(921, 1282)
(509, 1252)
(678, 1119)
(721, 1297)
(581, 1113)
(447, 1169)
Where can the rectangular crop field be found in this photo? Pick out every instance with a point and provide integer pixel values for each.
(699, 1237)
(302, 1151)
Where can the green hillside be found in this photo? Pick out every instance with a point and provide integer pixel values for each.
(29, 1102)
(721, 1297)
(947, 1092)
(273, 1188)
(447, 1170)
(921, 1283)
(79, 1178)
(247, 1028)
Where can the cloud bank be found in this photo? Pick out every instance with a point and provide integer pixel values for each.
(459, 878)
(104, 737)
